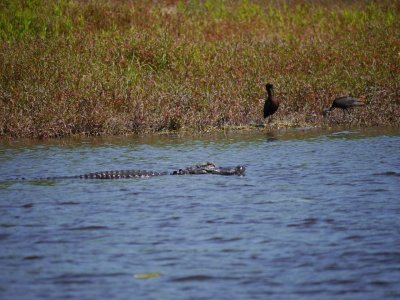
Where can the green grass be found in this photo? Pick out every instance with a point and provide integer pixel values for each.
(116, 67)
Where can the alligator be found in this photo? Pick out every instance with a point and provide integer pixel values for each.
(207, 168)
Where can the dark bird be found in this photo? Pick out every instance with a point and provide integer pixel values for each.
(271, 102)
(344, 103)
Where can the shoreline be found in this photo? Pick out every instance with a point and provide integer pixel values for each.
(208, 133)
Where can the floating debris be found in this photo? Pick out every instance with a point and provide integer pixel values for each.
(147, 275)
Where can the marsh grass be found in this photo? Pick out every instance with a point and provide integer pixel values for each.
(116, 67)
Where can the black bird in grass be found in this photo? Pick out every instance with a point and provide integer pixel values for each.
(271, 102)
(344, 103)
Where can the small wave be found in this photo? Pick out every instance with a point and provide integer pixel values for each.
(340, 133)
(193, 278)
(231, 250)
(380, 283)
(32, 257)
(306, 222)
(93, 227)
(82, 278)
(4, 225)
(73, 281)
(354, 237)
(373, 191)
(69, 203)
(222, 239)
(388, 173)
(201, 277)
(340, 281)
(53, 242)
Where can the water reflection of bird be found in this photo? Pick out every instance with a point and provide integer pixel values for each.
(271, 102)
(344, 103)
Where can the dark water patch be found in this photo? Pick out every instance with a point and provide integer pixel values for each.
(235, 222)
(329, 221)
(33, 257)
(264, 202)
(381, 283)
(351, 291)
(333, 267)
(354, 237)
(224, 240)
(55, 241)
(388, 173)
(373, 191)
(305, 223)
(381, 257)
(340, 134)
(310, 198)
(69, 281)
(92, 227)
(231, 250)
(4, 236)
(248, 185)
(218, 220)
(36, 225)
(69, 203)
(9, 257)
(269, 282)
(134, 193)
(202, 277)
(338, 281)
(7, 225)
(83, 278)
(193, 278)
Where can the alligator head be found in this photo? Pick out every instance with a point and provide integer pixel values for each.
(211, 168)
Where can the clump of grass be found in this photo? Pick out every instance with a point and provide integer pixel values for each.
(117, 67)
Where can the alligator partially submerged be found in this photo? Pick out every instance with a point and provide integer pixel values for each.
(207, 168)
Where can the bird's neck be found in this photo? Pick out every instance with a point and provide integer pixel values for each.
(270, 93)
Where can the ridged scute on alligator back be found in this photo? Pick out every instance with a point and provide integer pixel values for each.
(117, 174)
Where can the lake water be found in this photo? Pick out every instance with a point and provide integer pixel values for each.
(317, 216)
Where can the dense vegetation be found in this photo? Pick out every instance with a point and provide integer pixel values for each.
(114, 66)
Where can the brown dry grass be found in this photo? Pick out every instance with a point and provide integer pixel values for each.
(118, 67)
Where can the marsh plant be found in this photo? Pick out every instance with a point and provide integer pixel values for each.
(116, 67)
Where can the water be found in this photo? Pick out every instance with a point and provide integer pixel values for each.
(315, 217)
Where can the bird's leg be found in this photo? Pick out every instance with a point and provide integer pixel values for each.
(269, 120)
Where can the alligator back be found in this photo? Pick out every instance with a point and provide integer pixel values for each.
(114, 174)
(117, 174)
(207, 168)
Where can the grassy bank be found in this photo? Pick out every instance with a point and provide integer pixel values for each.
(114, 67)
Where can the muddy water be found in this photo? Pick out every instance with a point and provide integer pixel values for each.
(315, 217)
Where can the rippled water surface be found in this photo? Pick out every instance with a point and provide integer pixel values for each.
(317, 216)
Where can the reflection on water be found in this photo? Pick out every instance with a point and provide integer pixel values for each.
(315, 217)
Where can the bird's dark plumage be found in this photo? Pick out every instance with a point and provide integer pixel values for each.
(344, 103)
(271, 102)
